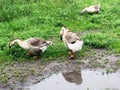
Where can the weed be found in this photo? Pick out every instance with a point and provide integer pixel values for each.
(118, 63)
(109, 70)
(3, 79)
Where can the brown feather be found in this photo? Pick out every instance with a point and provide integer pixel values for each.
(36, 41)
(71, 37)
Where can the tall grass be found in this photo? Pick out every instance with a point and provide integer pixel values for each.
(44, 19)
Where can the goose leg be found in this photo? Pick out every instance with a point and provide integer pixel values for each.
(28, 53)
(37, 55)
(71, 54)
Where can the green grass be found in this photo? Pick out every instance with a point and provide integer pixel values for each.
(44, 19)
(98, 40)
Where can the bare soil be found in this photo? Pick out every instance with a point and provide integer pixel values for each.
(21, 74)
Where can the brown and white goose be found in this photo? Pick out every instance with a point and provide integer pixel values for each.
(32, 45)
(71, 41)
(91, 9)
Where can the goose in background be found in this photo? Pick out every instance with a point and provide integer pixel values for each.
(91, 9)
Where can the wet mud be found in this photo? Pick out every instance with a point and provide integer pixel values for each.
(18, 76)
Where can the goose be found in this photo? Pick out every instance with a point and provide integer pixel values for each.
(71, 41)
(91, 9)
(32, 45)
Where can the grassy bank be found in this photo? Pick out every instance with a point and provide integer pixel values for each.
(44, 19)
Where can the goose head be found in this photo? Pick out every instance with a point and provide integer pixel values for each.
(63, 31)
(12, 42)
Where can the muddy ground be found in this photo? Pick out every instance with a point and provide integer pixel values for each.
(22, 74)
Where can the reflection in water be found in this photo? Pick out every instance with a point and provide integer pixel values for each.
(87, 80)
(73, 77)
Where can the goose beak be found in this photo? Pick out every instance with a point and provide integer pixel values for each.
(81, 12)
(60, 37)
(9, 46)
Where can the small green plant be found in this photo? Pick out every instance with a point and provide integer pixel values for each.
(118, 63)
(17, 52)
(109, 70)
(3, 78)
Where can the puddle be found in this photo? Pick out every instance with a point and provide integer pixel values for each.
(84, 80)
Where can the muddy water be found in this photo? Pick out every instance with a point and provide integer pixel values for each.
(84, 80)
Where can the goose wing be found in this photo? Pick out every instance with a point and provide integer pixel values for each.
(71, 37)
(36, 41)
(96, 6)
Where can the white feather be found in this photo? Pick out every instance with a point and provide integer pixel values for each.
(43, 48)
(91, 9)
(76, 46)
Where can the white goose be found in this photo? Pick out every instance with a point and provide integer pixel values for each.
(91, 9)
(32, 45)
(71, 41)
